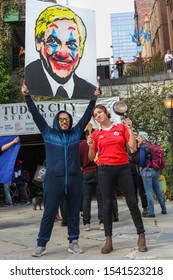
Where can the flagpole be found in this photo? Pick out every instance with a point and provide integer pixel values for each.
(136, 17)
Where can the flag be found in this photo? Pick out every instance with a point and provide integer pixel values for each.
(135, 33)
(8, 159)
(142, 31)
(134, 36)
(147, 36)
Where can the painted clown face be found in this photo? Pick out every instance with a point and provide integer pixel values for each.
(60, 49)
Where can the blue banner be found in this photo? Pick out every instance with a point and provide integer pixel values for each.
(8, 159)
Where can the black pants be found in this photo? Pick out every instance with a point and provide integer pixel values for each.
(22, 192)
(139, 187)
(121, 175)
(90, 186)
(120, 70)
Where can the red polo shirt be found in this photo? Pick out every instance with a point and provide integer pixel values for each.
(109, 145)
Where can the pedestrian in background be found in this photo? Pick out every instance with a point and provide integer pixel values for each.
(168, 58)
(107, 148)
(21, 179)
(137, 179)
(150, 176)
(120, 65)
(90, 186)
(8, 198)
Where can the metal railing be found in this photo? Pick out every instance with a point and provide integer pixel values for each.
(137, 69)
(110, 72)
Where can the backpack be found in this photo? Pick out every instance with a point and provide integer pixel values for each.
(156, 159)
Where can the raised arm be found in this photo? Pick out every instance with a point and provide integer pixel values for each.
(132, 139)
(37, 117)
(87, 115)
(8, 145)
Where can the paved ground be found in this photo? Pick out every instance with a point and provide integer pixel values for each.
(19, 227)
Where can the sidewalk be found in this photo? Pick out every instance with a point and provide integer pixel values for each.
(19, 228)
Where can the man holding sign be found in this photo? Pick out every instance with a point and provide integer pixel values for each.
(63, 171)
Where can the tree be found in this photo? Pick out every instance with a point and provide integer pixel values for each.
(7, 89)
(147, 112)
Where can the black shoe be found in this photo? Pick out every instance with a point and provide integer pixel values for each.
(115, 219)
(144, 212)
(150, 215)
(63, 224)
(164, 212)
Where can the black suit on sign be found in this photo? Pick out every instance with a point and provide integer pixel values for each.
(39, 84)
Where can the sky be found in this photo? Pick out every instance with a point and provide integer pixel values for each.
(103, 9)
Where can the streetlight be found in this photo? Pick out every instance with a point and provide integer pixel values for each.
(168, 103)
(138, 42)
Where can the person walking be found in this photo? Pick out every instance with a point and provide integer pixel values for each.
(150, 176)
(107, 148)
(63, 171)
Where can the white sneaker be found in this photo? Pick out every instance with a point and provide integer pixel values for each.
(39, 251)
(74, 247)
(87, 227)
(101, 226)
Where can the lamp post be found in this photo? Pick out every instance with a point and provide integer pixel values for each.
(168, 103)
(138, 42)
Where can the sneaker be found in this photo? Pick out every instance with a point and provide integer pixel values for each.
(101, 226)
(39, 251)
(74, 247)
(87, 227)
(164, 212)
(27, 203)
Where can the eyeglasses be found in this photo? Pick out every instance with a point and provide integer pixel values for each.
(64, 119)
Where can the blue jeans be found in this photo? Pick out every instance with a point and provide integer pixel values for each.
(8, 198)
(151, 183)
